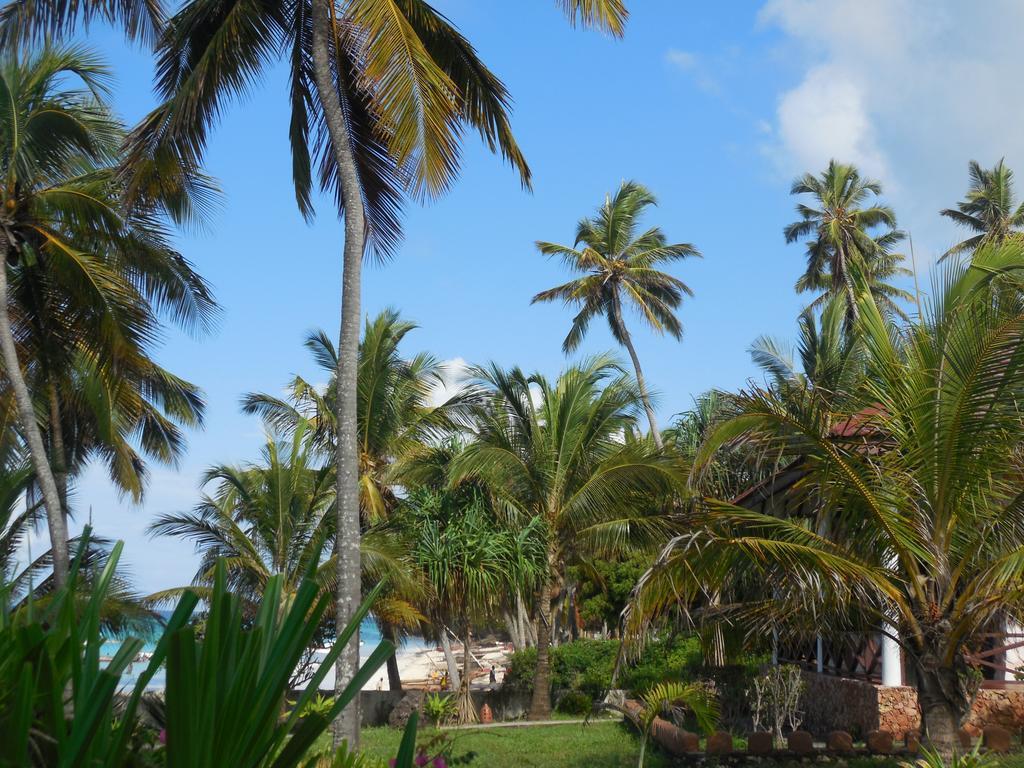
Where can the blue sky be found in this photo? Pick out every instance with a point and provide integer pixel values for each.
(714, 106)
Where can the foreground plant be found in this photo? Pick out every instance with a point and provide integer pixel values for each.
(675, 701)
(225, 690)
(908, 517)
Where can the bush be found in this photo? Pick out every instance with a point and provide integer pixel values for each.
(575, 703)
(520, 670)
(224, 693)
(585, 667)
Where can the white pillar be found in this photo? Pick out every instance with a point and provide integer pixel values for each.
(818, 655)
(892, 663)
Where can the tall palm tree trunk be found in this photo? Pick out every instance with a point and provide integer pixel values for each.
(27, 416)
(58, 455)
(945, 697)
(540, 704)
(627, 340)
(348, 530)
(387, 631)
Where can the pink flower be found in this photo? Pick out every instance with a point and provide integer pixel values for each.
(162, 735)
(440, 762)
(422, 759)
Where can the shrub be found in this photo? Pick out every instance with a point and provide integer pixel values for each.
(575, 703)
(225, 690)
(520, 670)
(440, 708)
(586, 665)
(774, 698)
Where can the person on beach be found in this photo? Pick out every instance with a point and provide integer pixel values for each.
(494, 676)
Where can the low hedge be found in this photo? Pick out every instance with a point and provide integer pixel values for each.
(585, 667)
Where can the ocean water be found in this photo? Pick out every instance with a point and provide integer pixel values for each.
(369, 637)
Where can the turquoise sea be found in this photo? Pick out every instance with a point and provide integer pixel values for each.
(369, 637)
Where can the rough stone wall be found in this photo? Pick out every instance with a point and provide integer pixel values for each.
(993, 706)
(836, 703)
(897, 710)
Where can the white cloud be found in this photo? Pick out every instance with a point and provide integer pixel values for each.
(453, 375)
(908, 89)
(685, 60)
(825, 117)
(690, 64)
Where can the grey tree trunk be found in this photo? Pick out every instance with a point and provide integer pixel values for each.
(529, 628)
(514, 631)
(33, 436)
(394, 676)
(540, 703)
(942, 705)
(467, 712)
(347, 541)
(58, 455)
(454, 679)
(642, 384)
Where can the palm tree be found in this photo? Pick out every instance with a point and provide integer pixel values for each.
(909, 517)
(989, 209)
(396, 423)
(841, 247)
(85, 275)
(385, 89)
(556, 452)
(397, 419)
(732, 471)
(830, 355)
(620, 266)
(275, 519)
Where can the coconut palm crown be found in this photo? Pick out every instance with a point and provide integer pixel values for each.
(620, 264)
(840, 247)
(990, 209)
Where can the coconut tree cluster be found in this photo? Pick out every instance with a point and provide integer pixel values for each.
(481, 503)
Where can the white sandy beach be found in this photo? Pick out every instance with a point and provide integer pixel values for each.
(422, 666)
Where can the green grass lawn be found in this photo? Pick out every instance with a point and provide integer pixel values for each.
(601, 744)
(598, 745)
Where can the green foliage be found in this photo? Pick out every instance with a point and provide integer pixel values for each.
(989, 211)
(225, 689)
(586, 665)
(913, 472)
(674, 701)
(603, 588)
(933, 759)
(575, 703)
(439, 708)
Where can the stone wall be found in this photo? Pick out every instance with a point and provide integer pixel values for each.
(897, 710)
(993, 706)
(837, 703)
(375, 706)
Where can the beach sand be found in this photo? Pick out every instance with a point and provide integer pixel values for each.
(423, 666)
